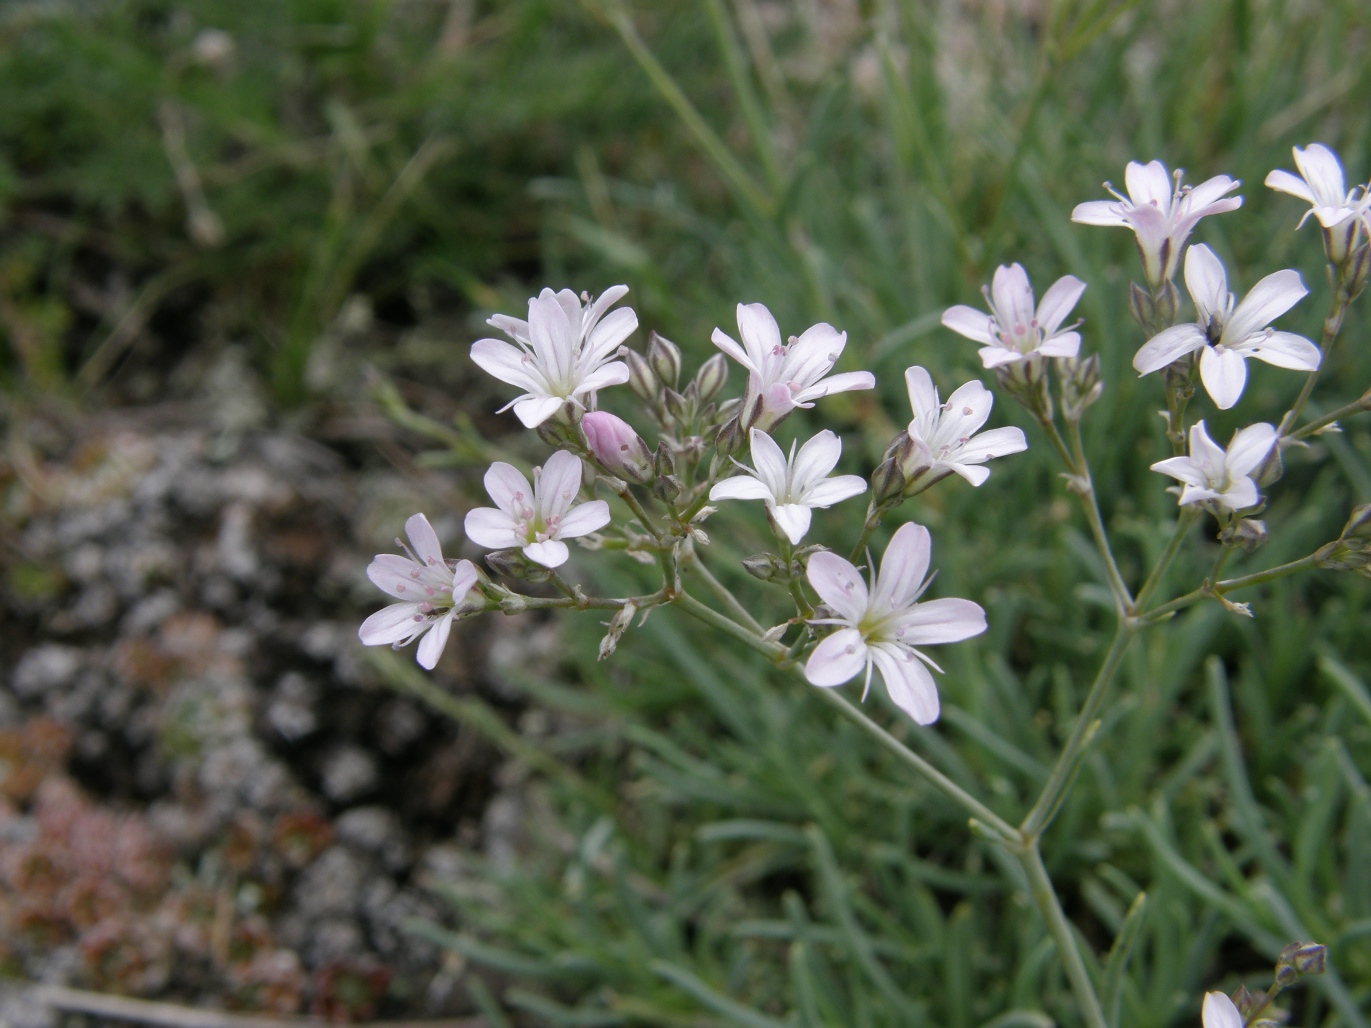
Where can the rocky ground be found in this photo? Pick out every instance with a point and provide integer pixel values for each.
(208, 795)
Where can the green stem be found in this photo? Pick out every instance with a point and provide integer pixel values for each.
(1060, 929)
(1217, 590)
(872, 521)
(1045, 806)
(1332, 325)
(721, 592)
(1184, 520)
(1123, 599)
(779, 655)
(639, 511)
(1357, 406)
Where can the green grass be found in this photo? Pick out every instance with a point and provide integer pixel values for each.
(716, 847)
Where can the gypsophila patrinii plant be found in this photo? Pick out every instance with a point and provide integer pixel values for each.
(842, 614)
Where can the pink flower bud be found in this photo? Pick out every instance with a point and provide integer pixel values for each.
(619, 449)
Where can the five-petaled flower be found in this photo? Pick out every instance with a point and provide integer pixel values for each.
(1014, 330)
(1220, 1012)
(945, 434)
(536, 518)
(1320, 184)
(1228, 335)
(783, 376)
(560, 354)
(791, 486)
(882, 624)
(1217, 478)
(429, 589)
(1161, 212)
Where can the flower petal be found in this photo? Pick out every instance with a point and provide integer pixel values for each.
(903, 568)
(508, 487)
(558, 484)
(1098, 212)
(537, 409)
(1012, 295)
(1167, 347)
(1219, 1012)
(965, 412)
(583, 519)
(1248, 448)
(1321, 168)
(792, 519)
(837, 659)
(1148, 184)
(1067, 344)
(431, 646)
(973, 473)
(761, 335)
(770, 461)
(969, 322)
(424, 540)
(729, 345)
(1059, 300)
(998, 442)
(491, 528)
(1284, 182)
(810, 357)
(817, 457)
(507, 363)
(1183, 469)
(1283, 350)
(834, 490)
(740, 487)
(923, 394)
(1267, 301)
(838, 585)
(908, 682)
(393, 624)
(941, 621)
(400, 577)
(612, 374)
(551, 553)
(1206, 281)
(606, 336)
(844, 383)
(1224, 374)
(463, 578)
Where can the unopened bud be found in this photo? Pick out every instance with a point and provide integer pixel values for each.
(767, 567)
(1168, 303)
(664, 461)
(1081, 384)
(1358, 271)
(1299, 959)
(664, 357)
(1242, 999)
(1270, 470)
(712, 376)
(676, 405)
(692, 448)
(730, 438)
(640, 376)
(1026, 382)
(887, 482)
(620, 450)
(1140, 305)
(1246, 534)
(1359, 524)
(513, 564)
(559, 431)
(617, 625)
(666, 488)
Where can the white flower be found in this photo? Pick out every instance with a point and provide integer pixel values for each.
(1219, 1012)
(1160, 212)
(1320, 183)
(1223, 479)
(783, 377)
(536, 518)
(945, 433)
(561, 352)
(429, 589)
(1228, 334)
(792, 487)
(1013, 330)
(883, 624)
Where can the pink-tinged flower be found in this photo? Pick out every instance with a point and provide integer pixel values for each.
(560, 354)
(536, 518)
(783, 376)
(945, 434)
(1014, 330)
(1230, 334)
(1320, 184)
(1161, 212)
(792, 487)
(1218, 478)
(1220, 1012)
(429, 588)
(617, 446)
(882, 624)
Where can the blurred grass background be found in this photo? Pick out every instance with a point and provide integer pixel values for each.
(712, 848)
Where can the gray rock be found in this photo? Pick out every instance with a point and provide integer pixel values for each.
(347, 773)
(44, 668)
(332, 884)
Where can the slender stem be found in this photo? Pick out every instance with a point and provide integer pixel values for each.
(1184, 520)
(1219, 589)
(1086, 487)
(1046, 803)
(1332, 325)
(721, 592)
(780, 655)
(1060, 929)
(626, 494)
(1357, 406)
(872, 521)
